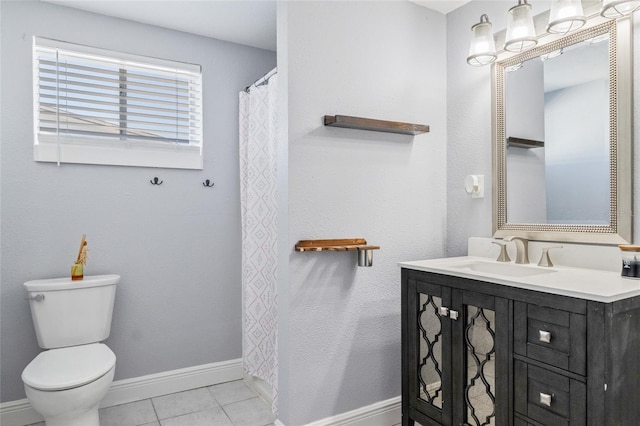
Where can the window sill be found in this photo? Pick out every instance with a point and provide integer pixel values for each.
(122, 154)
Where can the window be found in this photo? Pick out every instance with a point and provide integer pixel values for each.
(101, 107)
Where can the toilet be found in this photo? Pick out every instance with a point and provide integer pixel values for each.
(66, 382)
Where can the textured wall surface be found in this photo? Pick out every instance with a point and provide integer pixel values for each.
(176, 246)
(468, 127)
(353, 58)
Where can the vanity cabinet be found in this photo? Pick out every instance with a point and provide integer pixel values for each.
(479, 353)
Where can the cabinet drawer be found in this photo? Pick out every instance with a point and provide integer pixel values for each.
(551, 336)
(547, 397)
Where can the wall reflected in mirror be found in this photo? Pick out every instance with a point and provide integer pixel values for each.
(557, 136)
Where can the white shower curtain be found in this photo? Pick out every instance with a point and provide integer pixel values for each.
(258, 124)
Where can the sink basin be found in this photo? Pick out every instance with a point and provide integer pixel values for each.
(498, 268)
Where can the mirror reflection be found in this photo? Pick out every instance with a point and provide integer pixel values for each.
(557, 136)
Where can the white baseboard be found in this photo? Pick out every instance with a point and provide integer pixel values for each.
(138, 388)
(259, 386)
(383, 413)
(20, 413)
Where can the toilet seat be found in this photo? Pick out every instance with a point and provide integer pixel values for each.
(67, 368)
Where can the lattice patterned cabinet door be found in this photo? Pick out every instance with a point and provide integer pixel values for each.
(479, 391)
(430, 350)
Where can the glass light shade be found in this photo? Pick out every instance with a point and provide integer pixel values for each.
(551, 55)
(482, 50)
(521, 33)
(565, 16)
(513, 68)
(619, 8)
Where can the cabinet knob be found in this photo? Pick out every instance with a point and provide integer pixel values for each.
(446, 312)
(545, 399)
(544, 336)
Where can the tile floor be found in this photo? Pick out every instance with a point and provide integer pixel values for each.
(227, 404)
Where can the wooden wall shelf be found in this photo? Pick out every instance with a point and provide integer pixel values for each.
(346, 244)
(360, 123)
(365, 251)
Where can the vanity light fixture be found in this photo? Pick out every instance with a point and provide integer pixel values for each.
(521, 33)
(482, 50)
(565, 16)
(619, 8)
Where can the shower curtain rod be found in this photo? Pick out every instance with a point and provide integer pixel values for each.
(262, 80)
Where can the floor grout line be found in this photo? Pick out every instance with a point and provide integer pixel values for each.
(252, 401)
(155, 411)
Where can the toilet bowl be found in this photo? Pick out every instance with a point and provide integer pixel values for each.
(66, 382)
(66, 385)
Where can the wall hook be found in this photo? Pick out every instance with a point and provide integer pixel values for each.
(156, 181)
(208, 183)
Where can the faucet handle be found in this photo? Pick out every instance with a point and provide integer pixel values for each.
(503, 256)
(545, 260)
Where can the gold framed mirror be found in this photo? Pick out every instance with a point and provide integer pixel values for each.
(562, 138)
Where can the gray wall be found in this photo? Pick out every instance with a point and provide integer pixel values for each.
(577, 153)
(468, 126)
(524, 109)
(374, 59)
(176, 246)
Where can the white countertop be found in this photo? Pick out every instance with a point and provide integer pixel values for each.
(590, 284)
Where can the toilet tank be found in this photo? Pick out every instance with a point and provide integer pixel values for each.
(71, 313)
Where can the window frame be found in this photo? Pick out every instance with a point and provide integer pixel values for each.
(115, 150)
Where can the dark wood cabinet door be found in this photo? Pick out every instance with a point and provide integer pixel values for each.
(480, 362)
(456, 354)
(428, 351)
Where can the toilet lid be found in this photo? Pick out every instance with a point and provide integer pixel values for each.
(67, 368)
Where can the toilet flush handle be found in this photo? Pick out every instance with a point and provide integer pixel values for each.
(38, 297)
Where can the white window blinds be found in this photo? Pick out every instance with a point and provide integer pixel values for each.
(91, 99)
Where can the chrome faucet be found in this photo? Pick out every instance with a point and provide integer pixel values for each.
(522, 248)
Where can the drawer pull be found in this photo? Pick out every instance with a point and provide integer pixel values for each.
(545, 399)
(545, 336)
